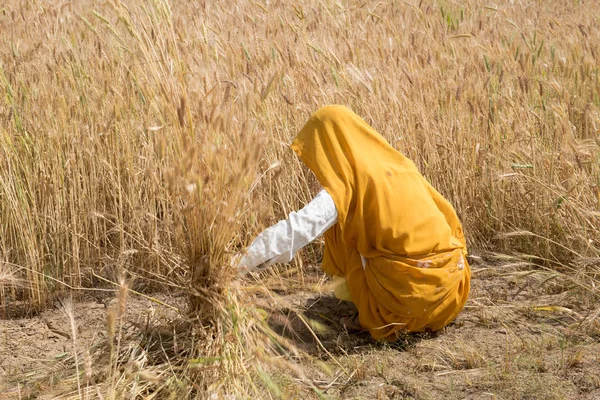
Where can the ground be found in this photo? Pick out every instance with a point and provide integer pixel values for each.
(522, 335)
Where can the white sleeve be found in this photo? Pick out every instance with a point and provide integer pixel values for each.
(280, 242)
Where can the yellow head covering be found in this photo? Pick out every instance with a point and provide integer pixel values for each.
(415, 275)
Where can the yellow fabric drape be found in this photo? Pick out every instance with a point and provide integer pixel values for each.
(415, 276)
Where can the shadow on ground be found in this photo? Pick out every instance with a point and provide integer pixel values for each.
(312, 322)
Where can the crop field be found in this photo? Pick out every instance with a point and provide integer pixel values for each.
(144, 143)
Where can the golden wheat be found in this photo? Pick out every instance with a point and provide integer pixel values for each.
(148, 140)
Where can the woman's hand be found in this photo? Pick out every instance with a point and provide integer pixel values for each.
(238, 264)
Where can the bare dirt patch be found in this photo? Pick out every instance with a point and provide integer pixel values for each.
(520, 336)
(37, 351)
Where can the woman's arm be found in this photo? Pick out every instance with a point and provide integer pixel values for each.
(280, 242)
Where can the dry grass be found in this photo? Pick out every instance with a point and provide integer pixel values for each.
(147, 140)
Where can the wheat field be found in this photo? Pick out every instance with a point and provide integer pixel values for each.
(144, 143)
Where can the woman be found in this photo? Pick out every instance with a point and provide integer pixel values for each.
(394, 240)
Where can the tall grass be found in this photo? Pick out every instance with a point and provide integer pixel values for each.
(149, 139)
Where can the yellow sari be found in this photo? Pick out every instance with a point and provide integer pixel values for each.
(398, 243)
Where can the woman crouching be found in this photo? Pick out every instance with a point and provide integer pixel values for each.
(393, 242)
